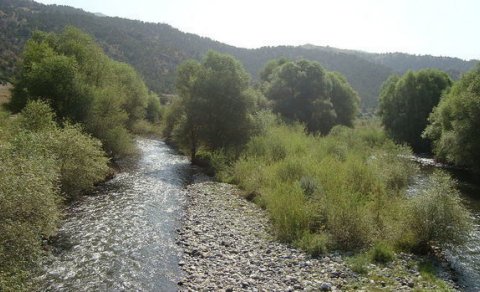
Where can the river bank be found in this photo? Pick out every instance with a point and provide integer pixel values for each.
(228, 246)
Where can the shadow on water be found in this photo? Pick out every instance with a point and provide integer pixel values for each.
(123, 236)
(464, 259)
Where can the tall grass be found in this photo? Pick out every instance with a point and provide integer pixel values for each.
(344, 191)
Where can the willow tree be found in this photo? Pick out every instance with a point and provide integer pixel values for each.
(216, 104)
(82, 84)
(303, 91)
(407, 101)
(455, 123)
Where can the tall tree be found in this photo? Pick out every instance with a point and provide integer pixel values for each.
(406, 102)
(71, 72)
(303, 91)
(345, 99)
(455, 123)
(215, 102)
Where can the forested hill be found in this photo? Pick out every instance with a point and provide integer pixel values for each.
(155, 50)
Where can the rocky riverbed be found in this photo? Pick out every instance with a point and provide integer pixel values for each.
(228, 246)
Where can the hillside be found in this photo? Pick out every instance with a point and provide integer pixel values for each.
(155, 50)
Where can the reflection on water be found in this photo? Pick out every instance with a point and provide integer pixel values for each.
(465, 259)
(124, 237)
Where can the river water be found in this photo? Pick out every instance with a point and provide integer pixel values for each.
(123, 238)
(464, 259)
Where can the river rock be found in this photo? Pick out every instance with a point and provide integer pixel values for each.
(227, 242)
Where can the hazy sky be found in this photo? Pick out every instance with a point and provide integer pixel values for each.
(436, 27)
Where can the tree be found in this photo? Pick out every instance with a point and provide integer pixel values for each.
(344, 98)
(406, 102)
(216, 103)
(81, 84)
(303, 91)
(153, 111)
(455, 123)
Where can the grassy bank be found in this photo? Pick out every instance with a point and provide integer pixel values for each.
(345, 191)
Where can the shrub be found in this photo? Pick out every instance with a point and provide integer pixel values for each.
(286, 206)
(313, 243)
(382, 252)
(437, 215)
(346, 186)
(359, 263)
(79, 157)
(37, 116)
(28, 212)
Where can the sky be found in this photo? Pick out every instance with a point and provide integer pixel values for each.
(434, 27)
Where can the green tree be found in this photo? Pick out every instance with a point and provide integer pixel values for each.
(455, 123)
(216, 103)
(153, 112)
(344, 98)
(406, 102)
(303, 91)
(72, 73)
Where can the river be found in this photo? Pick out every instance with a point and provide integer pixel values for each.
(464, 259)
(123, 238)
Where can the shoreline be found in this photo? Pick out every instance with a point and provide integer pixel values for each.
(228, 245)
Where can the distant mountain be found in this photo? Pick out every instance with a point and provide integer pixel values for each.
(100, 14)
(155, 50)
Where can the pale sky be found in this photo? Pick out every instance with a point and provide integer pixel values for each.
(435, 27)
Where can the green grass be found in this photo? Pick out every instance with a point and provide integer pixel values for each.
(348, 187)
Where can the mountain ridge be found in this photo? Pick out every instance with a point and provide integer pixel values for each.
(156, 49)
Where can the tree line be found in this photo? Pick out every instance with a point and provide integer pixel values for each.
(76, 112)
(294, 143)
(433, 114)
(155, 50)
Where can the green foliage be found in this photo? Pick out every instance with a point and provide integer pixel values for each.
(303, 91)
(348, 186)
(437, 215)
(382, 253)
(455, 122)
(313, 243)
(81, 159)
(345, 99)
(215, 104)
(28, 211)
(41, 162)
(37, 116)
(83, 85)
(155, 50)
(153, 112)
(406, 102)
(359, 263)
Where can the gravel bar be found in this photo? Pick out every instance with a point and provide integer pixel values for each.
(228, 246)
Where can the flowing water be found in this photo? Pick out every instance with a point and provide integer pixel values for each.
(123, 238)
(464, 259)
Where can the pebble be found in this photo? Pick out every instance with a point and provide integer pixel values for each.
(228, 246)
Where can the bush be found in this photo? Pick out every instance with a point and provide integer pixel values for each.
(313, 243)
(359, 263)
(40, 161)
(37, 116)
(348, 186)
(437, 216)
(382, 252)
(28, 212)
(79, 157)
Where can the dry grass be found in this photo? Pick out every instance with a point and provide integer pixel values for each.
(5, 93)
